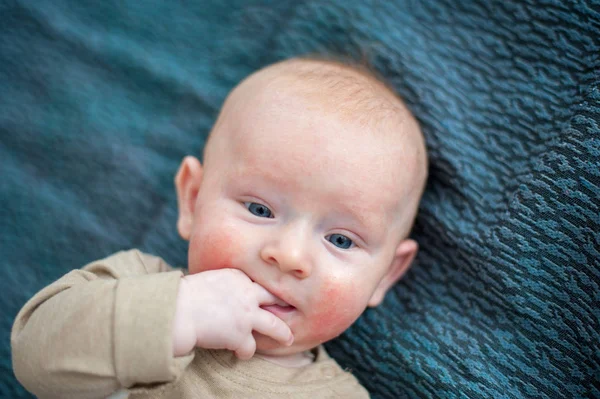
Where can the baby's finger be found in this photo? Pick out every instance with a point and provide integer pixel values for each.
(272, 326)
(247, 349)
(263, 296)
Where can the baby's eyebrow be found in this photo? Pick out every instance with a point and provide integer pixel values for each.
(366, 219)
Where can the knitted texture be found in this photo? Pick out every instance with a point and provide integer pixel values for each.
(99, 101)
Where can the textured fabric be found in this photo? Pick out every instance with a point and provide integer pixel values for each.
(98, 103)
(108, 326)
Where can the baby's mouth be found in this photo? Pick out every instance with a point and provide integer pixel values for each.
(279, 307)
(279, 310)
(282, 303)
(279, 304)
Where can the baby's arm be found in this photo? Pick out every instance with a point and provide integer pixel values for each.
(99, 329)
(220, 309)
(128, 320)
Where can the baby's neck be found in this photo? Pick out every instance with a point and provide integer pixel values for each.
(295, 360)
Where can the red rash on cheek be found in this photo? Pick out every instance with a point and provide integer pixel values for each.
(212, 251)
(338, 307)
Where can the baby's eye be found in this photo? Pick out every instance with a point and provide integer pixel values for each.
(258, 210)
(340, 241)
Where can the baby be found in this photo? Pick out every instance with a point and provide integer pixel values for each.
(297, 220)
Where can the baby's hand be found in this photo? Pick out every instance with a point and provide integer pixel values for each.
(219, 309)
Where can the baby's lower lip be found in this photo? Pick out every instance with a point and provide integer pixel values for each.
(278, 310)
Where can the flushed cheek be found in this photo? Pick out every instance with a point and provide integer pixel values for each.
(338, 306)
(212, 251)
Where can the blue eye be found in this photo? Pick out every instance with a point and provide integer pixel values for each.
(258, 210)
(340, 241)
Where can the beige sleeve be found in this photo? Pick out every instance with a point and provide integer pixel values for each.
(100, 329)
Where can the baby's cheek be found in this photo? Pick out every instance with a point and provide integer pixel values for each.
(337, 308)
(212, 251)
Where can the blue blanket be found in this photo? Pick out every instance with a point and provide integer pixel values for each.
(99, 101)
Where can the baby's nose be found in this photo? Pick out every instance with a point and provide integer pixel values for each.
(289, 250)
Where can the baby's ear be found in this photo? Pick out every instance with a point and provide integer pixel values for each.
(405, 253)
(187, 184)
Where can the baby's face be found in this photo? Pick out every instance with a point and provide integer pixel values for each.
(311, 207)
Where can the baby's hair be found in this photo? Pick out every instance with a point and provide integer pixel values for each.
(361, 64)
(357, 84)
(360, 99)
(361, 91)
